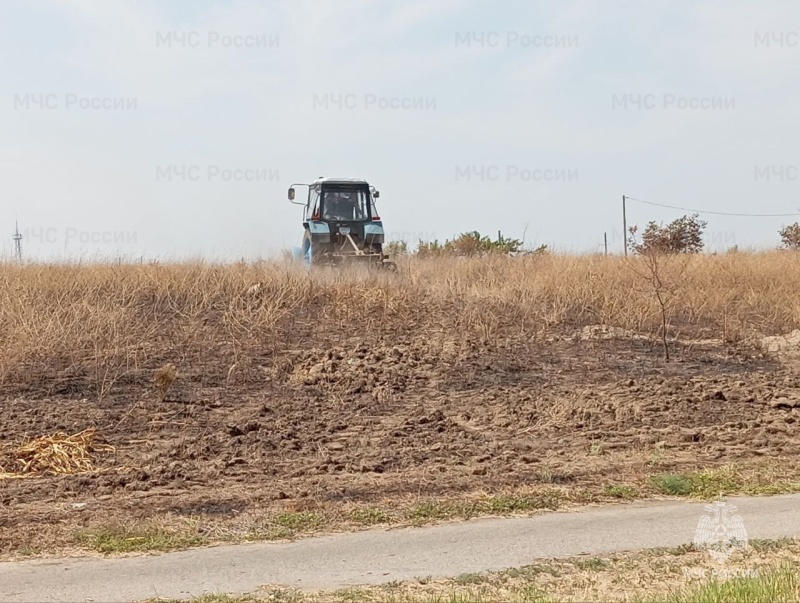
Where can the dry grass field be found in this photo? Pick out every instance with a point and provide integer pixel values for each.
(258, 401)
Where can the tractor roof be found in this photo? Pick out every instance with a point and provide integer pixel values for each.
(332, 180)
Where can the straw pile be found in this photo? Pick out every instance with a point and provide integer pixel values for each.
(55, 454)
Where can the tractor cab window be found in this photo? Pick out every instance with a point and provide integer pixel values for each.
(345, 205)
(313, 204)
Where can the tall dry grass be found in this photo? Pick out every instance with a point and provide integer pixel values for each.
(92, 326)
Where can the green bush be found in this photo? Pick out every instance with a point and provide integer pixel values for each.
(470, 244)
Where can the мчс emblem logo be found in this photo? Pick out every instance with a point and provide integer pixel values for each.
(720, 532)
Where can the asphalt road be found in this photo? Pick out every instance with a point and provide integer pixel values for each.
(380, 556)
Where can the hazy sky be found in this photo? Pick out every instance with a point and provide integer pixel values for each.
(173, 129)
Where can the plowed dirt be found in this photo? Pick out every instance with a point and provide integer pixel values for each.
(423, 416)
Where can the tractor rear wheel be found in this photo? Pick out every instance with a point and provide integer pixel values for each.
(312, 253)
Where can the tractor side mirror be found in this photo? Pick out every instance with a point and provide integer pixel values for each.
(291, 194)
(377, 194)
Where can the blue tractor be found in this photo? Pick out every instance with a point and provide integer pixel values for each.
(341, 223)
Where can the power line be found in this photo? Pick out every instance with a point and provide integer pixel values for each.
(716, 213)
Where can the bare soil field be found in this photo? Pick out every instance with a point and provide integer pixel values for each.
(338, 400)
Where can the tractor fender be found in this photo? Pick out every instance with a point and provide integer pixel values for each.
(373, 234)
(320, 232)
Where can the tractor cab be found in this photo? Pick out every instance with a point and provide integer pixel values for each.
(338, 203)
(341, 222)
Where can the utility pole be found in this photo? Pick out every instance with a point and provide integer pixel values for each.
(625, 224)
(17, 242)
(605, 241)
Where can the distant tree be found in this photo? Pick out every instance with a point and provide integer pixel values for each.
(469, 244)
(430, 249)
(684, 235)
(395, 248)
(790, 236)
(507, 244)
(540, 250)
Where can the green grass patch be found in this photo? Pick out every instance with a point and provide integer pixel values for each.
(520, 504)
(352, 595)
(710, 483)
(723, 481)
(265, 530)
(595, 564)
(470, 579)
(429, 510)
(716, 482)
(138, 538)
(29, 551)
(530, 572)
(768, 546)
(780, 586)
(299, 522)
(432, 510)
(623, 492)
(226, 598)
(370, 516)
(674, 484)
